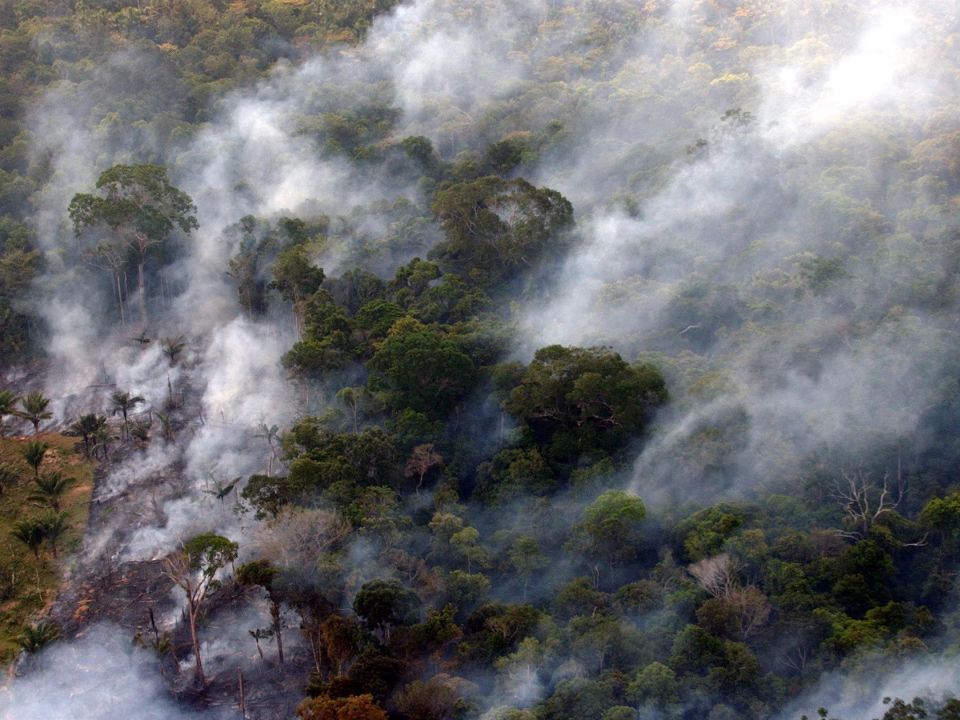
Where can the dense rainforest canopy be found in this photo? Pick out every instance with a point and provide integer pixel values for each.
(553, 360)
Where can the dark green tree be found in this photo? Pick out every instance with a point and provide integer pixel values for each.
(36, 637)
(494, 227)
(34, 452)
(30, 533)
(9, 478)
(427, 371)
(54, 525)
(50, 489)
(34, 410)
(608, 532)
(86, 426)
(579, 402)
(384, 604)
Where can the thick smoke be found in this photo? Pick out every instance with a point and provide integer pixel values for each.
(740, 212)
(102, 676)
(862, 694)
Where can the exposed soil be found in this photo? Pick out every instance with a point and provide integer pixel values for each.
(101, 586)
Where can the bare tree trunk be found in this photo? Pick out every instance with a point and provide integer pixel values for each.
(243, 697)
(275, 613)
(142, 292)
(123, 320)
(196, 642)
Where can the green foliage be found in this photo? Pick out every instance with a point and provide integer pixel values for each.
(294, 276)
(383, 604)
(654, 684)
(136, 199)
(494, 227)
(36, 637)
(50, 489)
(426, 371)
(608, 531)
(413, 363)
(34, 452)
(31, 533)
(706, 532)
(34, 405)
(587, 403)
(207, 553)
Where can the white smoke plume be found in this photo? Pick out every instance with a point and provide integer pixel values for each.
(102, 676)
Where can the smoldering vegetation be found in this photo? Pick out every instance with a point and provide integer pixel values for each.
(553, 359)
(101, 677)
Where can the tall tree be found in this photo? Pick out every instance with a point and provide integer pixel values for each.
(271, 434)
(609, 530)
(526, 557)
(34, 410)
(122, 403)
(193, 568)
(385, 603)
(584, 402)
(495, 228)
(86, 426)
(262, 573)
(141, 209)
(296, 278)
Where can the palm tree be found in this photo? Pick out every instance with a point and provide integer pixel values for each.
(50, 490)
(123, 403)
(166, 425)
(271, 435)
(87, 427)
(35, 409)
(35, 637)
(8, 478)
(140, 430)
(30, 533)
(172, 347)
(258, 635)
(54, 526)
(101, 439)
(33, 453)
(8, 405)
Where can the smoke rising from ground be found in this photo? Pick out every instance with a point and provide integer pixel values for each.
(861, 696)
(100, 677)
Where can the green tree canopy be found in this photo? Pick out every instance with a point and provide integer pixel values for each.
(496, 227)
(428, 371)
(584, 402)
(140, 208)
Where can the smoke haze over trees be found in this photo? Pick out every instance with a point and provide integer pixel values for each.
(524, 361)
